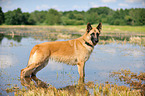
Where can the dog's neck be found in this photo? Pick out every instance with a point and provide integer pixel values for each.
(87, 43)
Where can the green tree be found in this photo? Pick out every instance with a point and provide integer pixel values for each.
(1, 16)
(73, 17)
(38, 17)
(141, 18)
(103, 14)
(138, 16)
(53, 17)
(128, 20)
(118, 18)
(25, 18)
(14, 17)
(92, 18)
(132, 16)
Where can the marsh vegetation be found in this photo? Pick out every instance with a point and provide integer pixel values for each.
(116, 66)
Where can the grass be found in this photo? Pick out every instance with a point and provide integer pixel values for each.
(98, 90)
(134, 80)
(82, 28)
(140, 29)
(127, 34)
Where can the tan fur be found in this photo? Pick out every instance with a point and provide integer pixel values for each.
(73, 52)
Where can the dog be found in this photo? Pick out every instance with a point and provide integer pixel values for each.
(72, 52)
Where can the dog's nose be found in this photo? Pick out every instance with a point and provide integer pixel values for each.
(96, 40)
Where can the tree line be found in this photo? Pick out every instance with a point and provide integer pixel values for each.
(133, 16)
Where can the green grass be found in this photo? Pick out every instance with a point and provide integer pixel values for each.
(108, 28)
(124, 28)
(82, 28)
(135, 34)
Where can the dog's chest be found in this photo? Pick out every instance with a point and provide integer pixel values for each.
(83, 55)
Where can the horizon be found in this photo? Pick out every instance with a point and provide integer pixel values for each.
(63, 5)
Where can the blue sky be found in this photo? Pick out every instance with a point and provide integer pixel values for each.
(67, 5)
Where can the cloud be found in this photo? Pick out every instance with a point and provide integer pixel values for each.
(7, 5)
(143, 3)
(94, 4)
(40, 7)
(108, 1)
(133, 1)
(76, 6)
(79, 7)
(123, 4)
(46, 7)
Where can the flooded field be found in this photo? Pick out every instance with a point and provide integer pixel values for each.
(113, 53)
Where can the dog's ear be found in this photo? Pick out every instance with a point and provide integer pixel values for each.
(89, 27)
(99, 27)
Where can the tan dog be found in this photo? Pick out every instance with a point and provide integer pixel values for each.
(73, 52)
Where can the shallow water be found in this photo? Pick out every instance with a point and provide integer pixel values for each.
(14, 54)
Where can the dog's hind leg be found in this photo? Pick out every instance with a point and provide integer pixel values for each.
(26, 72)
(39, 68)
(37, 60)
(32, 69)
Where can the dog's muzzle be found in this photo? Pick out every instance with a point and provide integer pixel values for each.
(95, 41)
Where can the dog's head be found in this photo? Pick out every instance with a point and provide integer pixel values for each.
(93, 33)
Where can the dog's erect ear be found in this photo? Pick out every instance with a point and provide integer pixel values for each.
(99, 27)
(89, 27)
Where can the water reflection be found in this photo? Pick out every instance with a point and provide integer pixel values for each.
(104, 59)
(7, 61)
(120, 38)
(1, 37)
(34, 82)
(17, 38)
(56, 36)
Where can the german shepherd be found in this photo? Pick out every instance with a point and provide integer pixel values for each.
(73, 52)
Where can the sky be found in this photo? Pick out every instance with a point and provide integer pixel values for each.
(67, 5)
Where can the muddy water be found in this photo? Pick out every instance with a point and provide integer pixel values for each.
(14, 54)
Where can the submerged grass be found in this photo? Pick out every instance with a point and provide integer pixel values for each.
(110, 33)
(98, 90)
(135, 80)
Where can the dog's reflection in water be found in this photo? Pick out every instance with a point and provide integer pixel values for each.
(31, 82)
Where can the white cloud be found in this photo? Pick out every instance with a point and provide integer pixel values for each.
(123, 4)
(40, 7)
(76, 6)
(79, 7)
(7, 5)
(133, 1)
(55, 7)
(108, 1)
(143, 3)
(46, 7)
(94, 4)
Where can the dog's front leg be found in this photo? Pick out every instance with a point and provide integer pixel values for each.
(81, 69)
